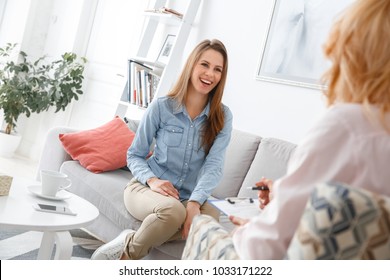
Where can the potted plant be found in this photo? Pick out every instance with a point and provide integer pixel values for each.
(34, 86)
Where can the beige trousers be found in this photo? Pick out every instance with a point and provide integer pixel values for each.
(162, 217)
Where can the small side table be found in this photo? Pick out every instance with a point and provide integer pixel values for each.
(17, 213)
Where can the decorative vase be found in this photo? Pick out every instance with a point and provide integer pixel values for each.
(8, 144)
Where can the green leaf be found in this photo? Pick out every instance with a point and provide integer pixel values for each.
(27, 87)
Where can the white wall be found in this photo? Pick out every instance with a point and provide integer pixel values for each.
(14, 15)
(114, 34)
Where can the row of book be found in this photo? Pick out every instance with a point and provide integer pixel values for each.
(142, 83)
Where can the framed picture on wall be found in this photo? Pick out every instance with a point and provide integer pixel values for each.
(292, 52)
(166, 49)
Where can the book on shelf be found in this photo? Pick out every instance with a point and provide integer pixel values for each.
(165, 10)
(142, 83)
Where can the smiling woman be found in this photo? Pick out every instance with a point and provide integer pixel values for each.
(206, 74)
(192, 129)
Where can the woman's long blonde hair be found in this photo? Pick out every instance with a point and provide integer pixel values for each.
(215, 121)
(359, 49)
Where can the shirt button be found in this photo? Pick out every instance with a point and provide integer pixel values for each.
(189, 145)
(192, 125)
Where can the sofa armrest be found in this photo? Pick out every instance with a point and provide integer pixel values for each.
(53, 153)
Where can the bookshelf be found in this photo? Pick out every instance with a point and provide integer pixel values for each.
(149, 78)
(142, 82)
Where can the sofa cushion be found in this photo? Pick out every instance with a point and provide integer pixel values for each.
(100, 149)
(270, 161)
(131, 124)
(239, 155)
(342, 222)
(104, 190)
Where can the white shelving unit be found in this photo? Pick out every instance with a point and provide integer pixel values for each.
(170, 70)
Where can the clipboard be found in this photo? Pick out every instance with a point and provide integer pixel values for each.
(241, 207)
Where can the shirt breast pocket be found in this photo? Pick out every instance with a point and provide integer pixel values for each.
(173, 135)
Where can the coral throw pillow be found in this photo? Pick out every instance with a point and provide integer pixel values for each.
(101, 149)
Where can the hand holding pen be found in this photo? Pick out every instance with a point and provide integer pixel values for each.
(264, 186)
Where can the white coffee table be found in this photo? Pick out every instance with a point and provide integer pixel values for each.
(17, 213)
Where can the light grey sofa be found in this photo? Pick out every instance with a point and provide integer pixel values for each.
(248, 158)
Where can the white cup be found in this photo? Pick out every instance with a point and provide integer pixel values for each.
(53, 181)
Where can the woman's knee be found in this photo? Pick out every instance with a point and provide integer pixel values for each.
(172, 211)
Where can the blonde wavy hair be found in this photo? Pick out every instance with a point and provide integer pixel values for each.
(215, 121)
(359, 49)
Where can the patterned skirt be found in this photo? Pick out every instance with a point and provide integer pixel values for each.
(208, 240)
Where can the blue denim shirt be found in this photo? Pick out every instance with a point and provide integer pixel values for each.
(178, 155)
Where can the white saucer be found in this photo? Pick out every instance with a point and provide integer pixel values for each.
(61, 195)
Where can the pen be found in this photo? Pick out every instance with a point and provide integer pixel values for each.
(233, 200)
(260, 188)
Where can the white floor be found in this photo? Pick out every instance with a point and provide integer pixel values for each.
(18, 166)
